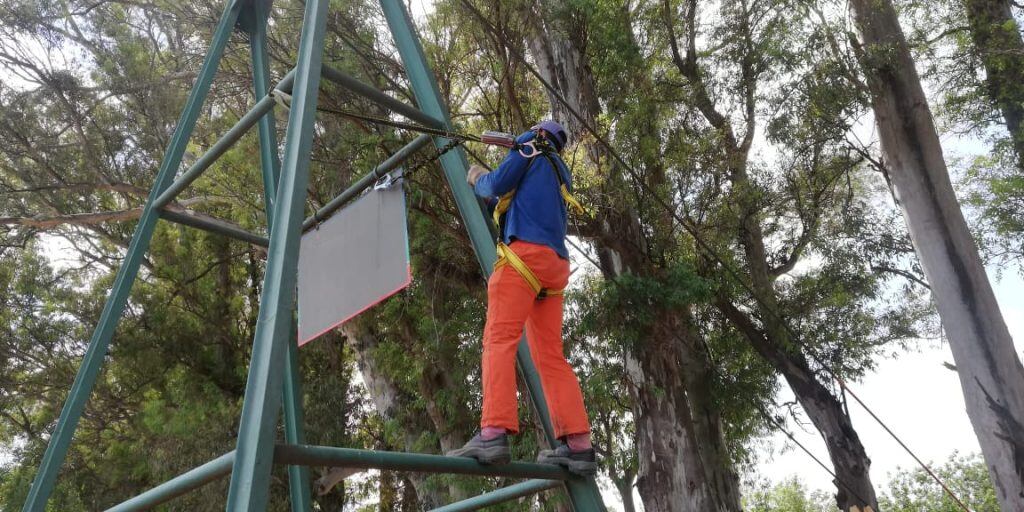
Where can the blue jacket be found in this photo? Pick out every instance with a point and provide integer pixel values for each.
(538, 212)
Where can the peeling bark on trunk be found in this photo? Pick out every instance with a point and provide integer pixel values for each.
(990, 370)
(997, 40)
(684, 464)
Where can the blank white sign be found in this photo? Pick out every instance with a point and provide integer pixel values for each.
(352, 261)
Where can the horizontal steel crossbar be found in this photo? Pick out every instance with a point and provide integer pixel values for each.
(527, 488)
(366, 181)
(215, 226)
(371, 93)
(307, 455)
(260, 109)
(179, 485)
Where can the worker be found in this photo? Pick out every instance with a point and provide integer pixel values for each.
(531, 191)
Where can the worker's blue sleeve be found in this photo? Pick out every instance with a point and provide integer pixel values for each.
(507, 175)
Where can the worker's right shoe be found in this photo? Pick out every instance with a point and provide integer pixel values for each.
(578, 463)
(485, 451)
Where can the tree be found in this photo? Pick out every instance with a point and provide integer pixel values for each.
(990, 371)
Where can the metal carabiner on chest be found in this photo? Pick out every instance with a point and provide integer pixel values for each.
(528, 149)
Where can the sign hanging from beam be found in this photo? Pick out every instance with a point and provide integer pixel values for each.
(352, 261)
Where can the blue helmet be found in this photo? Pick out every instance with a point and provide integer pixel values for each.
(557, 135)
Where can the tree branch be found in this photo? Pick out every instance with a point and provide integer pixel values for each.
(690, 70)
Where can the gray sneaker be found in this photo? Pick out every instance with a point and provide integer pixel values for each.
(582, 463)
(492, 451)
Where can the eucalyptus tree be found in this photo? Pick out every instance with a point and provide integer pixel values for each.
(990, 370)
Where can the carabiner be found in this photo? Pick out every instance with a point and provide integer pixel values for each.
(533, 149)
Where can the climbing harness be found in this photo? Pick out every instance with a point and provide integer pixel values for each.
(506, 256)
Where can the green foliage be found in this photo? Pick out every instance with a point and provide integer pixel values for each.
(911, 490)
(966, 475)
(789, 495)
(625, 309)
(997, 195)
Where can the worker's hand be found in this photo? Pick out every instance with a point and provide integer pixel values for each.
(475, 171)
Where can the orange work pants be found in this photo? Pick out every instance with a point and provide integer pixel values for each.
(512, 304)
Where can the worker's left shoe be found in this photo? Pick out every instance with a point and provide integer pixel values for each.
(485, 451)
(583, 463)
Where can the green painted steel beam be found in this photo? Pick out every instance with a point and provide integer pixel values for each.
(527, 488)
(60, 440)
(373, 94)
(366, 181)
(180, 485)
(415, 462)
(215, 226)
(270, 163)
(583, 493)
(250, 477)
(299, 488)
(454, 162)
(262, 107)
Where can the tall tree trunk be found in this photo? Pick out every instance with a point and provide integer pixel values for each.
(684, 462)
(389, 401)
(849, 459)
(997, 40)
(990, 371)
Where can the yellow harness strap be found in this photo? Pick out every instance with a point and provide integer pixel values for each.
(505, 201)
(506, 256)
